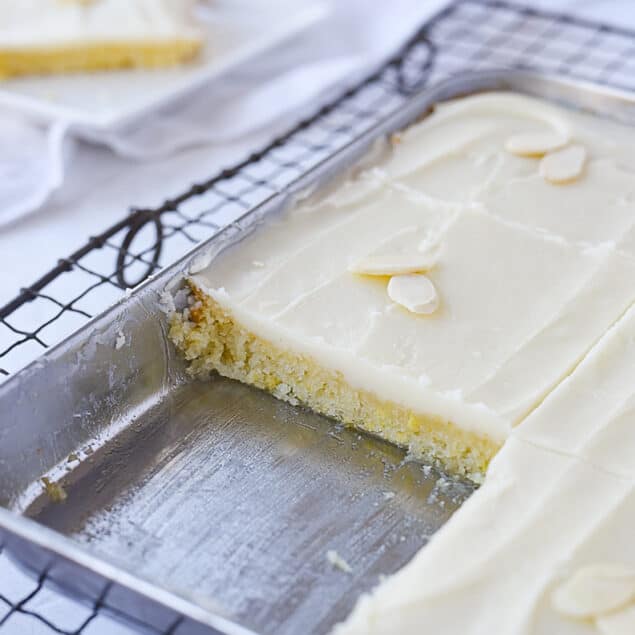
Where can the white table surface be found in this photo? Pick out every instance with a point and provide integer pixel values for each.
(100, 186)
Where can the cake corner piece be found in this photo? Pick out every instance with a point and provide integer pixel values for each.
(76, 36)
(213, 340)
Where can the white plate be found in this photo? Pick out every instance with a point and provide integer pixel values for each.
(237, 30)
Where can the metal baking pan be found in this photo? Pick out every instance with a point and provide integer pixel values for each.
(213, 501)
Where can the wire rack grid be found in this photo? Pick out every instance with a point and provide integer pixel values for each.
(468, 35)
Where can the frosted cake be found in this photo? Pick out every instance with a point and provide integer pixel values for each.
(60, 36)
(545, 545)
(438, 297)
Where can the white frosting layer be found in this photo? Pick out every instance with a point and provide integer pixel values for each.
(591, 415)
(54, 23)
(550, 533)
(529, 274)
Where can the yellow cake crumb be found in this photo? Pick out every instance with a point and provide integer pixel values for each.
(54, 490)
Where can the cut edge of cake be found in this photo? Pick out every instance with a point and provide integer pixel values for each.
(213, 340)
(75, 58)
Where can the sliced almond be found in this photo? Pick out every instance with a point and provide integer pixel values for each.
(394, 264)
(595, 590)
(414, 292)
(535, 144)
(563, 166)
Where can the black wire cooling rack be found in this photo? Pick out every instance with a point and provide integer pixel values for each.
(468, 35)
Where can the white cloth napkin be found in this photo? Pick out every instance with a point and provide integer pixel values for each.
(236, 113)
(32, 164)
(34, 160)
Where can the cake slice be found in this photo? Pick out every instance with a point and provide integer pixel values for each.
(403, 305)
(63, 36)
(464, 153)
